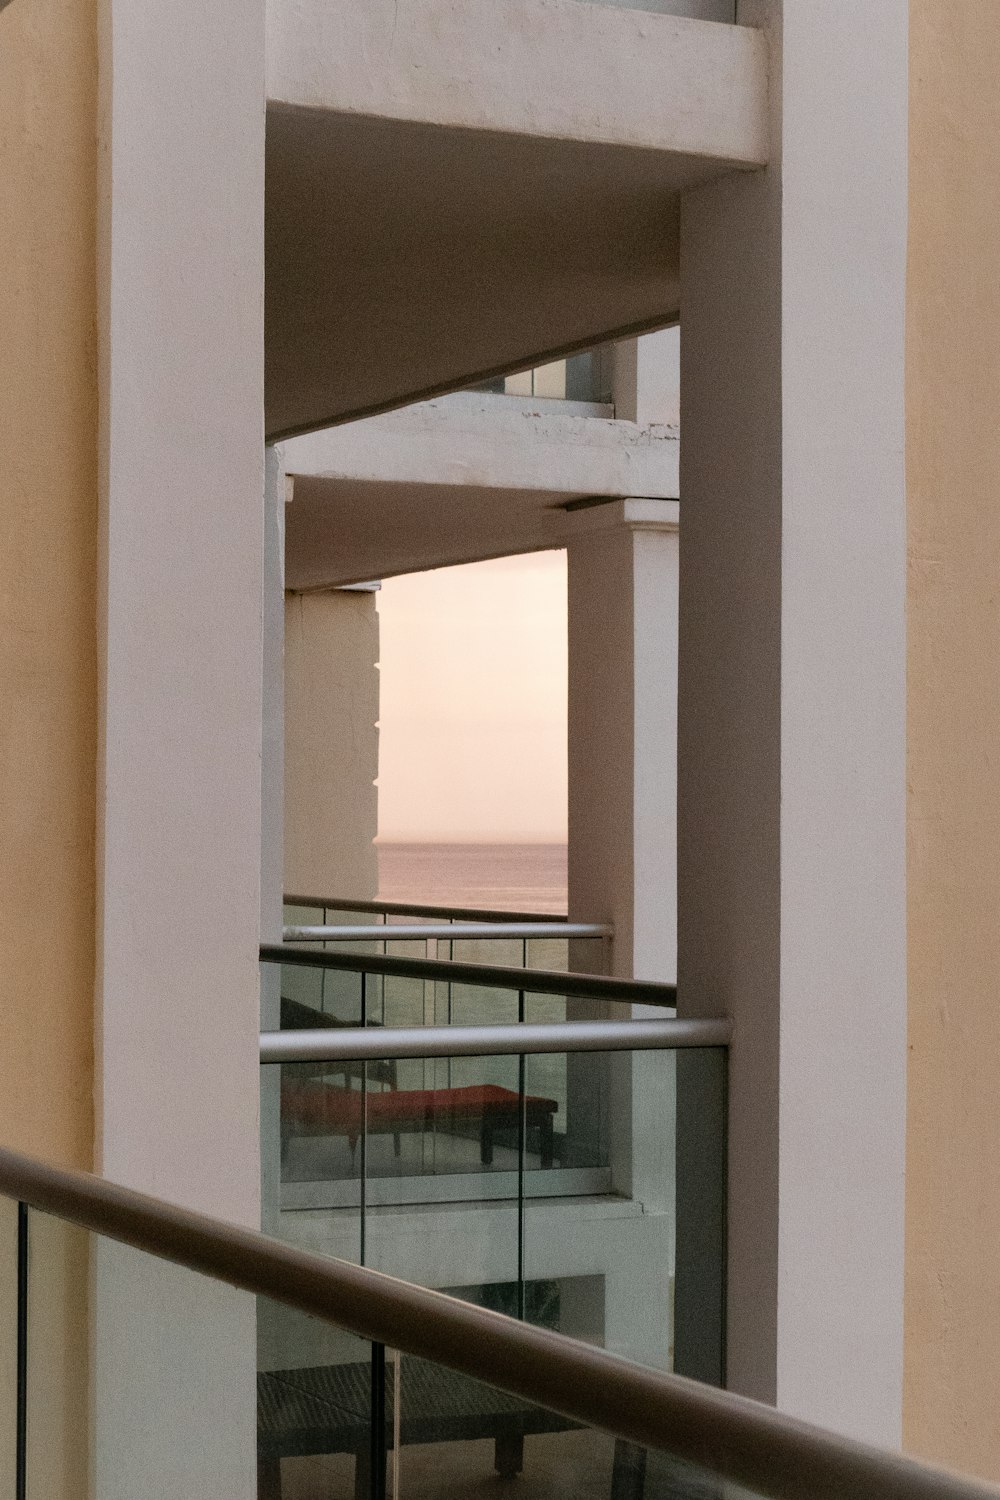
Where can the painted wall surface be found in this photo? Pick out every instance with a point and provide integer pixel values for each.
(331, 744)
(953, 464)
(48, 531)
(48, 687)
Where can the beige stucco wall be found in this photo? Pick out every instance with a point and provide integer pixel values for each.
(952, 1412)
(331, 744)
(48, 528)
(48, 705)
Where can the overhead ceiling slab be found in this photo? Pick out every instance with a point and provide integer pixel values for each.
(458, 188)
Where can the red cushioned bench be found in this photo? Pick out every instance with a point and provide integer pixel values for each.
(312, 1108)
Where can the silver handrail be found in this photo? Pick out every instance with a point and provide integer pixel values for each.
(739, 1441)
(491, 976)
(354, 1043)
(445, 932)
(422, 909)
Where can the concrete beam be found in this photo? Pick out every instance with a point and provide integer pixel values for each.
(539, 68)
(458, 480)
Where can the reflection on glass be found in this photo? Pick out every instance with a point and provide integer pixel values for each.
(600, 1174)
(200, 1389)
(457, 1435)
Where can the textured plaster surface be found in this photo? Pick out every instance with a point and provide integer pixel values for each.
(952, 1366)
(48, 686)
(48, 532)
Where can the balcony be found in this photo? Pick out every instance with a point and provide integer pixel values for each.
(363, 1384)
(550, 1144)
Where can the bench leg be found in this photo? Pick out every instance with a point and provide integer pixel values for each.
(269, 1479)
(362, 1473)
(628, 1476)
(486, 1142)
(508, 1455)
(546, 1133)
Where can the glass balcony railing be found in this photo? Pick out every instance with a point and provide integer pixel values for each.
(520, 1139)
(520, 939)
(156, 1352)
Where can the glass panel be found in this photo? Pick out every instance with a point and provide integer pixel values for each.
(158, 1381)
(140, 1375)
(314, 1407)
(638, 1249)
(310, 1155)
(606, 1170)
(458, 1435)
(8, 1344)
(442, 1185)
(478, 1004)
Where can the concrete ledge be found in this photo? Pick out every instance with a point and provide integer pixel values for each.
(457, 480)
(556, 69)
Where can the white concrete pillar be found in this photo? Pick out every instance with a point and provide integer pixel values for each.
(272, 823)
(792, 708)
(181, 272)
(623, 562)
(622, 566)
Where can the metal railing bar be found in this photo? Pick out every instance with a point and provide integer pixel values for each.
(422, 909)
(737, 1439)
(446, 932)
(21, 1358)
(492, 976)
(352, 1044)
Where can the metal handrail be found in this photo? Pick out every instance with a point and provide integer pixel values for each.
(738, 1440)
(491, 976)
(421, 909)
(446, 932)
(359, 1043)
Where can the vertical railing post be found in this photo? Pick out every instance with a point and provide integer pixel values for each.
(21, 1459)
(378, 1443)
(363, 1196)
(521, 1139)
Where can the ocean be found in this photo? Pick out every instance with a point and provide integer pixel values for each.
(509, 877)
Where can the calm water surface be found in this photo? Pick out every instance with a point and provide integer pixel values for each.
(510, 877)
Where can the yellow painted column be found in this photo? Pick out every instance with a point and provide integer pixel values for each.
(48, 551)
(48, 690)
(952, 1352)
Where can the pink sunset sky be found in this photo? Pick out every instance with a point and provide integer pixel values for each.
(472, 741)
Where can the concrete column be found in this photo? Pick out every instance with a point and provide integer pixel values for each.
(792, 708)
(272, 822)
(181, 270)
(622, 836)
(623, 560)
